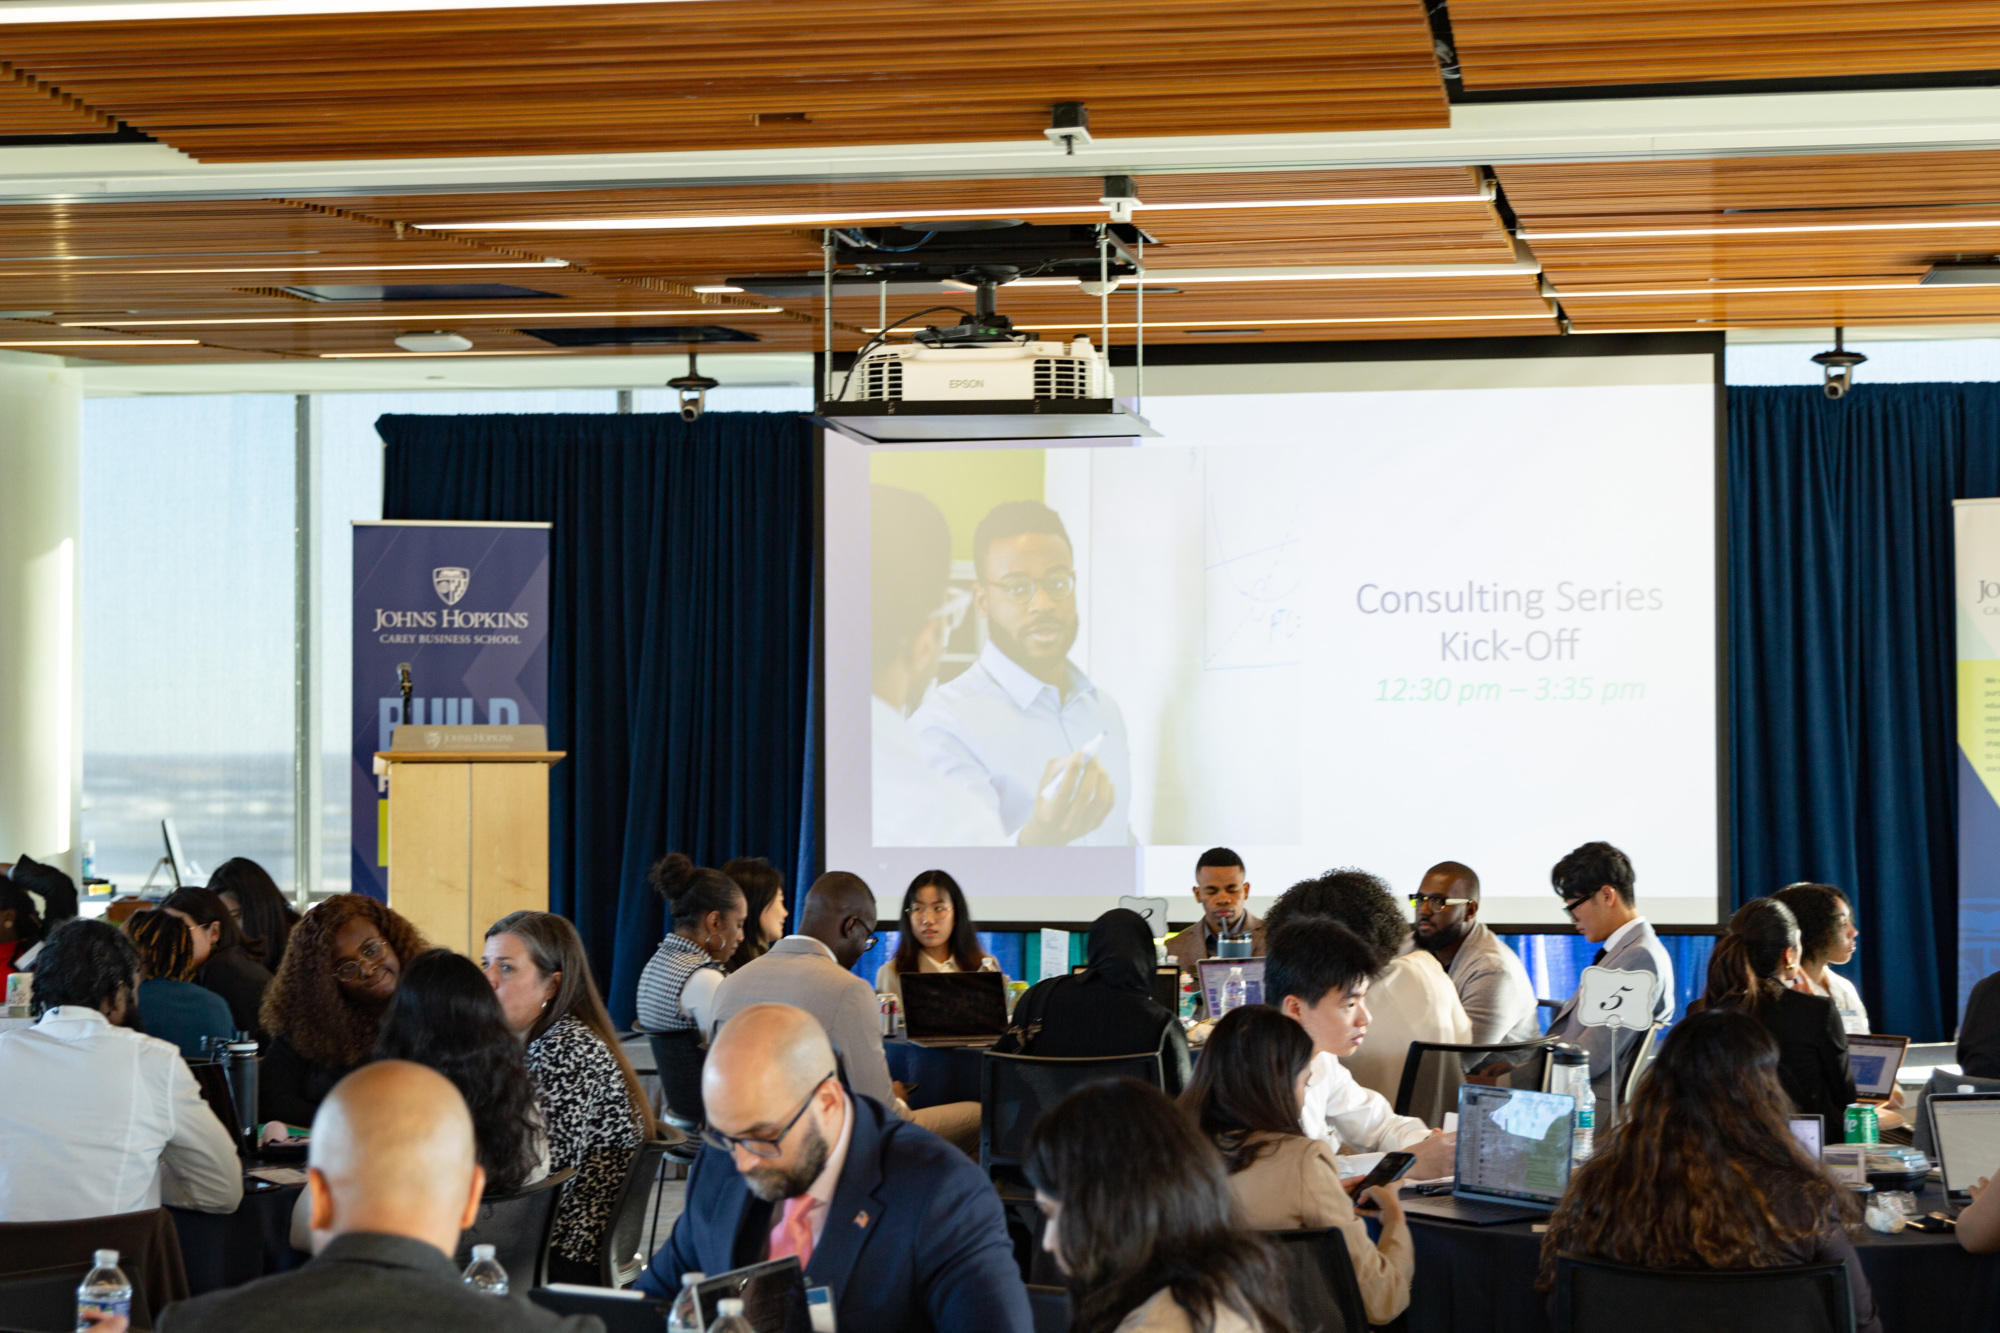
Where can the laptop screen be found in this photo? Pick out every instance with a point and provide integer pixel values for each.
(954, 1004)
(773, 1295)
(1513, 1144)
(1810, 1131)
(1215, 971)
(1875, 1061)
(1967, 1126)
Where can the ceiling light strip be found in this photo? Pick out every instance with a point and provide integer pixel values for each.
(451, 356)
(1269, 323)
(674, 223)
(128, 11)
(287, 268)
(1798, 229)
(1906, 286)
(102, 342)
(396, 317)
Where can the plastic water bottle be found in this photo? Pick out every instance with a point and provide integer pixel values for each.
(484, 1274)
(105, 1291)
(1233, 991)
(1571, 1076)
(685, 1316)
(729, 1318)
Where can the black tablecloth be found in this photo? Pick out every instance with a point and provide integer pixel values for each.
(941, 1074)
(1482, 1279)
(228, 1249)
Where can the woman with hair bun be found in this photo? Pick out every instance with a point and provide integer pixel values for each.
(707, 908)
(1747, 973)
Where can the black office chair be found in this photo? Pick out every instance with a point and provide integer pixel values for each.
(1320, 1287)
(620, 1251)
(44, 1301)
(678, 1058)
(1433, 1071)
(1014, 1090)
(1594, 1297)
(518, 1226)
(1050, 1307)
(149, 1251)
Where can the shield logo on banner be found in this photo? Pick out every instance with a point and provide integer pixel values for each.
(451, 583)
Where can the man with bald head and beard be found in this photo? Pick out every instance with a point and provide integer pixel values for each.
(903, 1228)
(1490, 979)
(394, 1178)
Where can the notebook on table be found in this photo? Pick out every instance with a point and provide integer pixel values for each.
(1965, 1130)
(954, 1008)
(1875, 1061)
(1513, 1157)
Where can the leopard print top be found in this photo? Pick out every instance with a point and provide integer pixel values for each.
(592, 1127)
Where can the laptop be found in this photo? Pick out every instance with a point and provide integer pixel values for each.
(773, 1293)
(1166, 983)
(1215, 971)
(1810, 1131)
(1965, 1127)
(1513, 1157)
(954, 1008)
(622, 1310)
(1875, 1062)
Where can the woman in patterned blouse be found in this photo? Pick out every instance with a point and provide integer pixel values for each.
(597, 1115)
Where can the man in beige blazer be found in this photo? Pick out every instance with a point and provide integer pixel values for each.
(1223, 890)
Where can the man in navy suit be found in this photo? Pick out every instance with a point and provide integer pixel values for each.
(905, 1230)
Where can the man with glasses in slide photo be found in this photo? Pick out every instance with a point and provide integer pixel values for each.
(1023, 727)
(904, 1230)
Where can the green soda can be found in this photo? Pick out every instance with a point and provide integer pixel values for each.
(1862, 1125)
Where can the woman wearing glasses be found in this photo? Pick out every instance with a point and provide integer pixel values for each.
(938, 935)
(324, 1008)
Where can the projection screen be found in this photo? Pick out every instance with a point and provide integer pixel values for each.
(1370, 614)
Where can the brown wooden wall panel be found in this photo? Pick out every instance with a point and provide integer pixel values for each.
(1507, 44)
(725, 74)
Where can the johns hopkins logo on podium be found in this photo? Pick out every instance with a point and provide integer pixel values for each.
(451, 583)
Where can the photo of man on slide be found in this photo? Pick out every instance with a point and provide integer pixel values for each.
(1023, 727)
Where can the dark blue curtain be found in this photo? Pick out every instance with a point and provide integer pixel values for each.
(681, 644)
(1842, 679)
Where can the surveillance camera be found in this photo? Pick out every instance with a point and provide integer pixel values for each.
(690, 410)
(1835, 388)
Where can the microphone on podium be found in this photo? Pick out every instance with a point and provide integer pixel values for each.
(403, 679)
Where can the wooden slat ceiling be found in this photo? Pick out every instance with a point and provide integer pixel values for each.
(1838, 239)
(31, 108)
(723, 74)
(1505, 44)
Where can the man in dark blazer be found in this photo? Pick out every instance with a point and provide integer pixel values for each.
(394, 1180)
(907, 1233)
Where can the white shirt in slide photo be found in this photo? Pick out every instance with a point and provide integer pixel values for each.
(995, 728)
(915, 805)
(1339, 1111)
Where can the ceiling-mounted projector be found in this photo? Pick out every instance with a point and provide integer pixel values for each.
(980, 379)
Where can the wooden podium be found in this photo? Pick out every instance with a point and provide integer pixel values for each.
(468, 828)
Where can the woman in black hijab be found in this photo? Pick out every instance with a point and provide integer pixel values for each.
(1106, 1009)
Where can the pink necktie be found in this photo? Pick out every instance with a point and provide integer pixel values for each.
(793, 1234)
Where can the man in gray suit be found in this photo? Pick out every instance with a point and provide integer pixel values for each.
(1595, 883)
(394, 1179)
(813, 970)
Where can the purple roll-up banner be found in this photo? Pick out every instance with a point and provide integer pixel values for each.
(467, 606)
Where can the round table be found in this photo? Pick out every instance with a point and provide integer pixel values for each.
(228, 1249)
(939, 1074)
(1482, 1279)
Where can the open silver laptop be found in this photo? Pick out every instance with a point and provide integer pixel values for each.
(1513, 1157)
(1875, 1061)
(1965, 1129)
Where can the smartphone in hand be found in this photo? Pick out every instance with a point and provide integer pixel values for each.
(1393, 1167)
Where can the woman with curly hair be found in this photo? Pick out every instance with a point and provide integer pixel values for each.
(596, 1112)
(1412, 998)
(171, 1006)
(1706, 1145)
(324, 1009)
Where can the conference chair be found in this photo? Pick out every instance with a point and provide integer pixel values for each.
(1320, 1287)
(1633, 1067)
(44, 1301)
(1594, 1297)
(678, 1058)
(620, 1255)
(1014, 1090)
(1050, 1308)
(1433, 1071)
(149, 1250)
(519, 1227)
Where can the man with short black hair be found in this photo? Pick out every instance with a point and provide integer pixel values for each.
(100, 1118)
(1016, 726)
(1318, 972)
(1599, 892)
(1492, 983)
(1222, 888)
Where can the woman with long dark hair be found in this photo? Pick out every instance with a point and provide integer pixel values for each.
(260, 909)
(1826, 940)
(707, 910)
(1747, 972)
(1245, 1100)
(764, 909)
(445, 1016)
(1141, 1220)
(1703, 1171)
(221, 963)
(937, 933)
(324, 1008)
(591, 1101)
(171, 1006)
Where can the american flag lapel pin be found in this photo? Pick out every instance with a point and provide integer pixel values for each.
(861, 1218)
